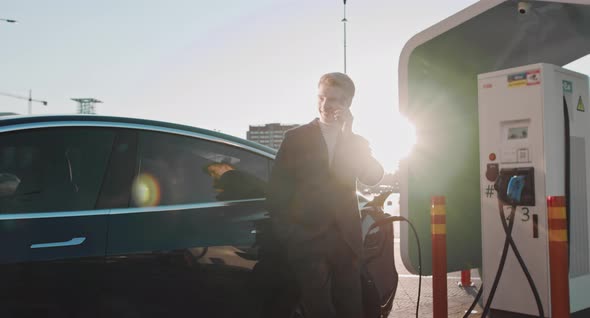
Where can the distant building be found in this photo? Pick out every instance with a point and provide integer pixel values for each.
(269, 134)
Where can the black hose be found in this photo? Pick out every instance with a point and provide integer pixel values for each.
(566, 128)
(419, 264)
(510, 241)
(486, 308)
(392, 219)
(477, 297)
(522, 264)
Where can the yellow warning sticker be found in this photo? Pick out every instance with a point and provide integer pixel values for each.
(581, 105)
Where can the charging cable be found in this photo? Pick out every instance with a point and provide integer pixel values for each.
(521, 261)
(567, 153)
(513, 193)
(391, 219)
(477, 297)
(508, 229)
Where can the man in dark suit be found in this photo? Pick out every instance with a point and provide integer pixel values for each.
(313, 204)
(232, 184)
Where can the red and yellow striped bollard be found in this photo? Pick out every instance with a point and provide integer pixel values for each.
(558, 257)
(439, 257)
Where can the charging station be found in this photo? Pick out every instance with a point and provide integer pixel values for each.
(439, 94)
(527, 117)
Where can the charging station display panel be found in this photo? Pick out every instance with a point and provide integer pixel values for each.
(517, 133)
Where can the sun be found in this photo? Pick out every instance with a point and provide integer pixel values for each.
(392, 140)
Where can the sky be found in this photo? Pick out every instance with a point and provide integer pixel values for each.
(221, 65)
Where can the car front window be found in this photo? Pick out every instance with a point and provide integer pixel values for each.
(183, 170)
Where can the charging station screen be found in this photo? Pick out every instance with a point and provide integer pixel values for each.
(518, 133)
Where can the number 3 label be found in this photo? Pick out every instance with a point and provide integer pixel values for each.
(526, 214)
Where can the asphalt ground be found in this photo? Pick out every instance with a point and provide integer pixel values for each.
(459, 298)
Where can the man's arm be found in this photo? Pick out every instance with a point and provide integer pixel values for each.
(372, 174)
(356, 160)
(357, 156)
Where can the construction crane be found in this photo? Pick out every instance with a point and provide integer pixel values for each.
(29, 99)
(8, 20)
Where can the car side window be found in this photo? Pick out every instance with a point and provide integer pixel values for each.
(52, 169)
(175, 169)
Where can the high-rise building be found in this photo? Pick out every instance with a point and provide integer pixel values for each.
(269, 134)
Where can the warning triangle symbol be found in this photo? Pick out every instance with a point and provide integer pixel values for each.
(581, 105)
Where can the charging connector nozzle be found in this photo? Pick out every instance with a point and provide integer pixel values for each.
(514, 190)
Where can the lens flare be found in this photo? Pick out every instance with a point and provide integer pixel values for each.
(146, 190)
(392, 140)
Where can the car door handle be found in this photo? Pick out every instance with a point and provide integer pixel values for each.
(73, 242)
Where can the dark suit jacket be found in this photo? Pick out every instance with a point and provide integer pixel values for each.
(307, 197)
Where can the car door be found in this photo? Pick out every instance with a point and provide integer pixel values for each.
(52, 236)
(187, 243)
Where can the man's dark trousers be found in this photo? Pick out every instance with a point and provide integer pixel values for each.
(328, 273)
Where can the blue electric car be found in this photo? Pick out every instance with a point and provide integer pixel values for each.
(119, 217)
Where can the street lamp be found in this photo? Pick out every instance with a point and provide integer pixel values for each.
(8, 20)
(29, 99)
(344, 20)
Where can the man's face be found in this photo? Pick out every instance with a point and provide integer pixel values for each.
(332, 101)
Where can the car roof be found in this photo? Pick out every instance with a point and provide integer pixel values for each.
(24, 120)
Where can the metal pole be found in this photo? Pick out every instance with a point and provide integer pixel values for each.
(558, 256)
(438, 217)
(344, 21)
(30, 101)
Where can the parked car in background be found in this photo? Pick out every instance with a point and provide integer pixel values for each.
(363, 200)
(119, 217)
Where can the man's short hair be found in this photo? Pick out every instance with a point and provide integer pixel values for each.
(337, 79)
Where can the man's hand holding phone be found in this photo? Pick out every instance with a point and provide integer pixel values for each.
(345, 117)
